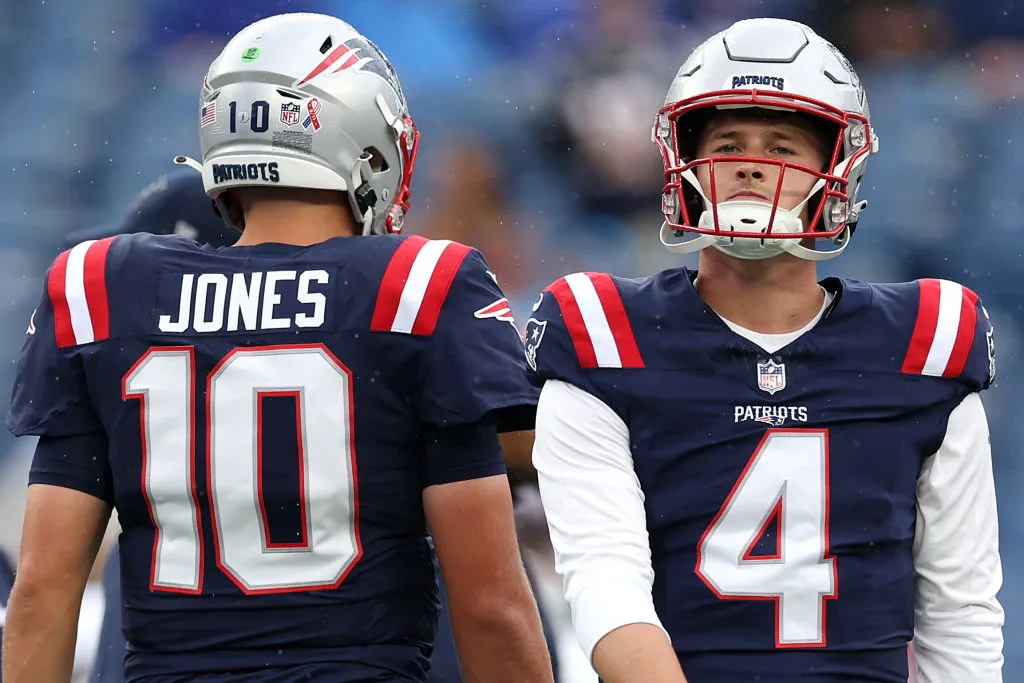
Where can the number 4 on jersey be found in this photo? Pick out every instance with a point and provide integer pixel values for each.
(786, 480)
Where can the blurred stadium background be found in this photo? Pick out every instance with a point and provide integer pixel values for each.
(536, 117)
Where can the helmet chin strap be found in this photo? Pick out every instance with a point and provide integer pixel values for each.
(361, 173)
(800, 251)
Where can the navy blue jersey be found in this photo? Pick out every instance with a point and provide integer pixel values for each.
(780, 488)
(109, 668)
(265, 419)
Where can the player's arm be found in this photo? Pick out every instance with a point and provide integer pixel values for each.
(62, 531)
(494, 617)
(958, 620)
(473, 386)
(70, 491)
(595, 513)
(517, 447)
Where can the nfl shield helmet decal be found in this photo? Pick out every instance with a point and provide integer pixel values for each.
(771, 376)
(290, 113)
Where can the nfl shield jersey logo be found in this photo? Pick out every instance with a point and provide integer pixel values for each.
(771, 376)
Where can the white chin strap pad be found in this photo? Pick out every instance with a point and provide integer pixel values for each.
(749, 216)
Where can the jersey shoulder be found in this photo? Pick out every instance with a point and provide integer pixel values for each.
(77, 292)
(582, 323)
(419, 278)
(106, 288)
(439, 300)
(933, 328)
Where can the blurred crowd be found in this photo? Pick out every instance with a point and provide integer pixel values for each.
(536, 118)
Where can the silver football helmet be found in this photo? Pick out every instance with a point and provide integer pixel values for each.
(304, 100)
(779, 65)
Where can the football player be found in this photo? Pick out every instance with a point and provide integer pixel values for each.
(178, 204)
(279, 422)
(748, 474)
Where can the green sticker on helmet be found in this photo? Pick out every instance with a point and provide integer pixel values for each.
(251, 55)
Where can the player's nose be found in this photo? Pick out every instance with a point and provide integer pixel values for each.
(749, 170)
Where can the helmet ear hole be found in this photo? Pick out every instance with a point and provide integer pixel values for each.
(378, 163)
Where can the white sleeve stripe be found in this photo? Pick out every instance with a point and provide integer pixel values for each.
(595, 320)
(74, 293)
(950, 301)
(416, 286)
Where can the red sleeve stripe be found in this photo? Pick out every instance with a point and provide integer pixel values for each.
(596, 319)
(439, 281)
(77, 287)
(62, 329)
(944, 331)
(391, 285)
(95, 277)
(618, 321)
(416, 284)
(574, 323)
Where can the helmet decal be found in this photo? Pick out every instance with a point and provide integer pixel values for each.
(359, 54)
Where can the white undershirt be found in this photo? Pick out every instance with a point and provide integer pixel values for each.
(595, 512)
(773, 342)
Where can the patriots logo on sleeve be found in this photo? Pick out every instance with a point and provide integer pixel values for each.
(499, 310)
(534, 334)
(990, 347)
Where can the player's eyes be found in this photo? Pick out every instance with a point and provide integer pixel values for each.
(727, 149)
(779, 149)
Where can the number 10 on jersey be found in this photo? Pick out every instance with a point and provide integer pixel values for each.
(786, 480)
(164, 382)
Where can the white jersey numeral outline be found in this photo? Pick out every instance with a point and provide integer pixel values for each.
(164, 382)
(785, 481)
